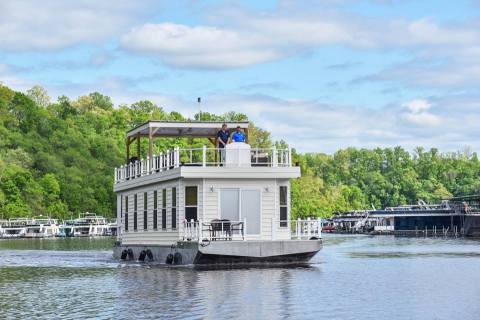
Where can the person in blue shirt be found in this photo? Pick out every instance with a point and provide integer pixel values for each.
(238, 135)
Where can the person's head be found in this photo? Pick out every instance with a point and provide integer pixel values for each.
(224, 127)
(238, 129)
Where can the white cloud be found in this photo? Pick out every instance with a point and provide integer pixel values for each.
(417, 113)
(418, 105)
(237, 38)
(56, 24)
(202, 46)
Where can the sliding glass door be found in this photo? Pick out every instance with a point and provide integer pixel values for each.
(238, 204)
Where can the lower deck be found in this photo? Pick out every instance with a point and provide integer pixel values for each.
(223, 252)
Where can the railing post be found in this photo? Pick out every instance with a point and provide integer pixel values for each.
(244, 229)
(273, 228)
(274, 157)
(319, 227)
(204, 155)
(115, 174)
(161, 161)
(308, 228)
(200, 231)
(176, 157)
(168, 160)
(299, 224)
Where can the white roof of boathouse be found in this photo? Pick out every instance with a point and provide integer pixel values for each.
(201, 129)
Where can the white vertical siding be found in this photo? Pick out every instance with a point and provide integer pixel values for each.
(150, 236)
(269, 203)
(208, 208)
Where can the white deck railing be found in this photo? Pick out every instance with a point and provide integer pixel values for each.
(217, 230)
(200, 157)
(214, 230)
(305, 229)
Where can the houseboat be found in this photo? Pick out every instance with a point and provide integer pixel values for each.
(90, 225)
(208, 205)
(41, 228)
(457, 216)
(15, 228)
(66, 228)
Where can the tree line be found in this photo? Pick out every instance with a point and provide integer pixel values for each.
(57, 159)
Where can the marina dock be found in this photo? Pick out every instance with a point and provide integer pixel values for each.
(455, 217)
(86, 225)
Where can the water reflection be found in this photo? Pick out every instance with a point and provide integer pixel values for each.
(353, 277)
(187, 292)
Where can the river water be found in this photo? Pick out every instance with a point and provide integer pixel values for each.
(353, 277)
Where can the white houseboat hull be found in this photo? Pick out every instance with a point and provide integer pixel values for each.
(280, 252)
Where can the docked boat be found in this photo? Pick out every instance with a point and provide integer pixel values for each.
(90, 225)
(41, 227)
(15, 228)
(66, 228)
(112, 227)
(209, 205)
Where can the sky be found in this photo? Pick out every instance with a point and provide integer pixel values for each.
(322, 75)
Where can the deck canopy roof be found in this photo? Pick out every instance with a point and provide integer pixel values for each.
(194, 129)
(198, 129)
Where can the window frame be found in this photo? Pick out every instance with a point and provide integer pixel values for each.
(173, 210)
(164, 209)
(155, 210)
(190, 206)
(145, 211)
(125, 219)
(283, 223)
(135, 215)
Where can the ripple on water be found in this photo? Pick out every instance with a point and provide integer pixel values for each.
(351, 278)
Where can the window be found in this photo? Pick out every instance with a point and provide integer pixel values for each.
(135, 213)
(164, 209)
(145, 218)
(126, 213)
(283, 206)
(191, 203)
(174, 208)
(155, 209)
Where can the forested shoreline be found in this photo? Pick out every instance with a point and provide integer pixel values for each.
(57, 159)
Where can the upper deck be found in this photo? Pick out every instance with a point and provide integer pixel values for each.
(236, 161)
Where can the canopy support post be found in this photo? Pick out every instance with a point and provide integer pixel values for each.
(138, 146)
(150, 147)
(128, 149)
